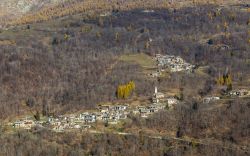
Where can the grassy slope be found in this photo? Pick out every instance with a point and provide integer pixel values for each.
(142, 59)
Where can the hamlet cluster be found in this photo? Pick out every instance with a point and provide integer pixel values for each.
(110, 114)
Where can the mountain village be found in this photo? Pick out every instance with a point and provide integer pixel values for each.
(113, 114)
(171, 63)
(109, 114)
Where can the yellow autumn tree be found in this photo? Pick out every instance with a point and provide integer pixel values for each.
(228, 79)
(225, 80)
(220, 80)
(124, 91)
(229, 82)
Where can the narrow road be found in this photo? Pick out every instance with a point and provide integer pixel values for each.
(203, 142)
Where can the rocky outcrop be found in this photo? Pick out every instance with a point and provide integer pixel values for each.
(11, 9)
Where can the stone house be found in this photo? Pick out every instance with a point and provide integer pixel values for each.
(210, 99)
(144, 111)
(172, 102)
(239, 92)
(90, 118)
(119, 108)
(58, 128)
(18, 124)
(25, 124)
(105, 116)
(104, 108)
(153, 108)
(155, 74)
(76, 126)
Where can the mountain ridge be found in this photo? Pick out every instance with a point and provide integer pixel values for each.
(14, 9)
(17, 12)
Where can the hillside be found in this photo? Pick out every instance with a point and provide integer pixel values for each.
(68, 58)
(59, 62)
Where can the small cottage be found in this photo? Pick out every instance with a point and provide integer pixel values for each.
(210, 99)
(172, 102)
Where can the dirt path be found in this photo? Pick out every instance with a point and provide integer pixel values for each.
(193, 141)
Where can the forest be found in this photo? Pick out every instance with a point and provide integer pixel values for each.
(71, 63)
(64, 66)
(223, 132)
